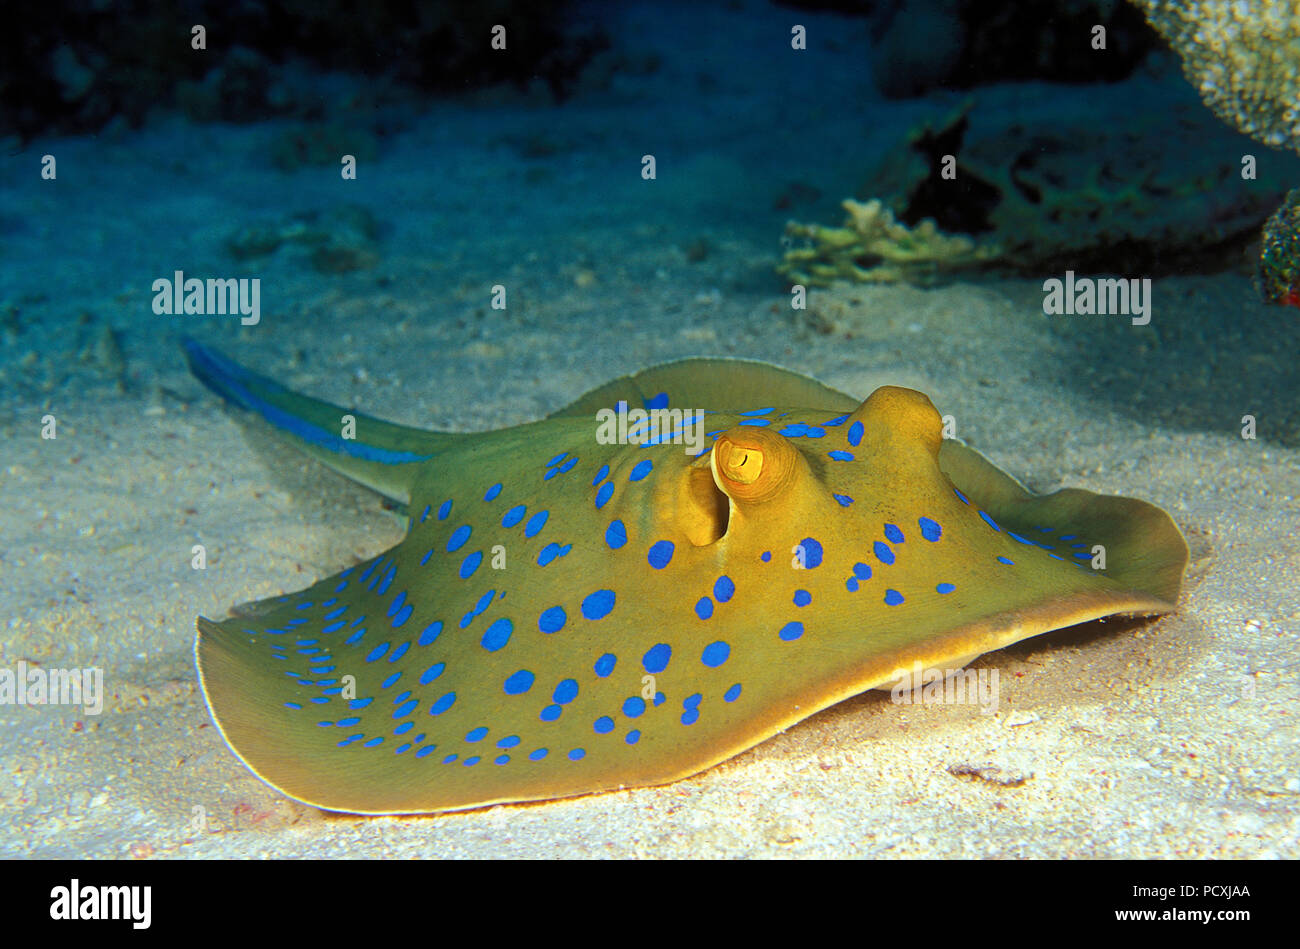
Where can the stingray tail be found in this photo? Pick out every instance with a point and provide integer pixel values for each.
(381, 455)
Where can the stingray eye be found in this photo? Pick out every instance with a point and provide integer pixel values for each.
(752, 464)
(742, 465)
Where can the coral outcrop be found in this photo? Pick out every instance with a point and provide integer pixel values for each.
(1243, 56)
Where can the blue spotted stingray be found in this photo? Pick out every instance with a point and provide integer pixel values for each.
(568, 615)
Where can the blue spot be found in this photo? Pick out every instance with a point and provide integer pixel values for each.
(605, 664)
(334, 627)
(604, 494)
(426, 750)
(1009, 563)
(552, 619)
(501, 759)
(449, 759)
(989, 521)
(476, 734)
(406, 708)
(883, 552)
(661, 552)
(444, 703)
(690, 716)
(659, 401)
(514, 515)
(732, 693)
(498, 634)
(641, 470)
(458, 538)
(557, 459)
(961, 497)
(377, 652)
(812, 553)
(715, 654)
(349, 721)
(538, 754)
(577, 754)
(603, 725)
(550, 713)
(724, 589)
(704, 608)
(616, 534)
(397, 603)
(634, 707)
(425, 559)
(759, 411)
(492, 492)
(893, 534)
(600, 475)
(791, 631)
(855, 434)
(893, 597)
(551, 551)
(851, 584)
(431, 632)
(656, 659)
(398, 653)
(519, 683)
(802, 597)
(756, 421)
(359, 703)
(390, 680)
(432, 672)
(536, 523)
(598, 605)
(508, 742)
(565, 692)
(633, 736)
(945, 588)
(930, 530)
(862, 571)
(692, 701)
(470, 762)
(372, 743)
(844, 499)
(765, 556)
(444, 510)
(841, 455)
(425, 513)
(470, 564)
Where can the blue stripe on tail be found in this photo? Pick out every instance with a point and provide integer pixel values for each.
(227, 379)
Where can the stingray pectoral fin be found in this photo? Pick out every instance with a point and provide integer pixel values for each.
(1141, 548)
(709, 383)
(381, 455)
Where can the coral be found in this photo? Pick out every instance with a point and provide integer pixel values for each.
(1156, 190)
(1242, 57)
(1279, 260)
(872, 247)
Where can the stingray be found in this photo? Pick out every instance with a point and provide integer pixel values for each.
(579, 606)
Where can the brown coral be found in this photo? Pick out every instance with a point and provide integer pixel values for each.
(1242, 56)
